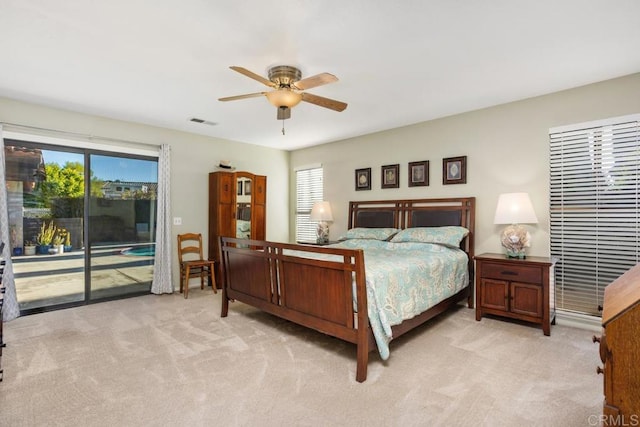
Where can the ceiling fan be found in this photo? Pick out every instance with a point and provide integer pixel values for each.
(288, 89)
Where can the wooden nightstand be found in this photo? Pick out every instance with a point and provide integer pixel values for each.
(516, 288)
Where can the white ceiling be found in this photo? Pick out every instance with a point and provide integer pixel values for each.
(162, 62)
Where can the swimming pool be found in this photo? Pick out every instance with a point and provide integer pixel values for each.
(140, 251)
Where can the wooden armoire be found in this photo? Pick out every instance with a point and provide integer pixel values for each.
(620, 349)
(237, 208)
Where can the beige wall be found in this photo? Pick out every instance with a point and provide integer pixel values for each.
(506, 148)
(192, 158)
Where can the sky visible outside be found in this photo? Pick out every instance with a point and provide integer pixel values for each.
(109, 168)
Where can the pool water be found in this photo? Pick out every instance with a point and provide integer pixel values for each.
(140, 251)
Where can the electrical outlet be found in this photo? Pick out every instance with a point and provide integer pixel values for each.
(177, 221)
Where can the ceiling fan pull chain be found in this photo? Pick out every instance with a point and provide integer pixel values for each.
(283, 126)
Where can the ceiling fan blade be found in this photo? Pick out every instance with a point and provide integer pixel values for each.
(249, 95)
(314, 81)
(331, 104)
(253, 75)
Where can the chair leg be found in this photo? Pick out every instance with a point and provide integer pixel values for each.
(201, 277)
(212, 278)
(186, 282)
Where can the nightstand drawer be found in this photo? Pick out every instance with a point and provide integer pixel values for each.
(520, 273)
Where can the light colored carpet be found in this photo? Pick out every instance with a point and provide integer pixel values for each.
(167, 361)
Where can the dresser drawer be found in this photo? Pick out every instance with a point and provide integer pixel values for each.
(518, 273)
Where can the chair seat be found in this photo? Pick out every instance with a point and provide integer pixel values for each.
(198, 263)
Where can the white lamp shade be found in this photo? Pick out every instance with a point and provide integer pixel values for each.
(515, 208)
(321, 211)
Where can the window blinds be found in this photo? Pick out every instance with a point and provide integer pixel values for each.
(594, 208)
(309, 189)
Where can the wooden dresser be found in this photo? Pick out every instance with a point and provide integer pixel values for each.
(620, 350)
(234, 197)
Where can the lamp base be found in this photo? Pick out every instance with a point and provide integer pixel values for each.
(516, 254)
(323, 233)
(515, 239)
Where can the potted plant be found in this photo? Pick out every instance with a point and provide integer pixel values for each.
(45, 237)
(57, 246)
(29, 248)
(17, 250)
(66, 237)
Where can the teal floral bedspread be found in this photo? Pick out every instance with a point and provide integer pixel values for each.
(405, 279)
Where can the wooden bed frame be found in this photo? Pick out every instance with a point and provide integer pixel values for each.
(319, 294)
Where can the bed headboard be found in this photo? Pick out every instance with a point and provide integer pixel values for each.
(416, 213)
(381, 217)
(413, 213)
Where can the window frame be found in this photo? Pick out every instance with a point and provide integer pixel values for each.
(309, 189)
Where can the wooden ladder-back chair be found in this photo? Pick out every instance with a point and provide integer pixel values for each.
(192, 262)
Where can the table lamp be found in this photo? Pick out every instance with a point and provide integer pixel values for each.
(515, 209)
(321, 212)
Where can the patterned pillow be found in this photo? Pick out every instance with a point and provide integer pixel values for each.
(449, 235)
(370, 233)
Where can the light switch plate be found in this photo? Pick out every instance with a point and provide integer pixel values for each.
(177, 221)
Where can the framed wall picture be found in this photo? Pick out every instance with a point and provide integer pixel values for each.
(363, 179)
(419, 173)
(454, 170)
(239, 188)
(247, 188)
(390, 178)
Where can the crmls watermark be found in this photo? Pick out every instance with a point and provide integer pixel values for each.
(614, 420)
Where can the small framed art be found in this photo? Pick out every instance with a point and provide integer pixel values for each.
(419, 173)
(239, 188)
(390, 176)
(363, 179)
(454, 170)
(247, 188)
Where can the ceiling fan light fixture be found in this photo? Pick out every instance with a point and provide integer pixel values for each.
(284, 97)
(289, 90)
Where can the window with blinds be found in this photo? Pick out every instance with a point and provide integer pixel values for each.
(594, 208)
(309, 189)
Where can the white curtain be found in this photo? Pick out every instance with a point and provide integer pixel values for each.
(162, 277)
(10, 309)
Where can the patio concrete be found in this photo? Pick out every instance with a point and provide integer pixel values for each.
(43, 280)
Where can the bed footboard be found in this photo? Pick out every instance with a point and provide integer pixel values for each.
(312, 292)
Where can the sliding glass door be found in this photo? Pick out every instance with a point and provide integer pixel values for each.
(82, 224)
(122, 212)
(45, 189)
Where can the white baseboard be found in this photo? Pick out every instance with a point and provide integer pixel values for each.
(577, 320)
